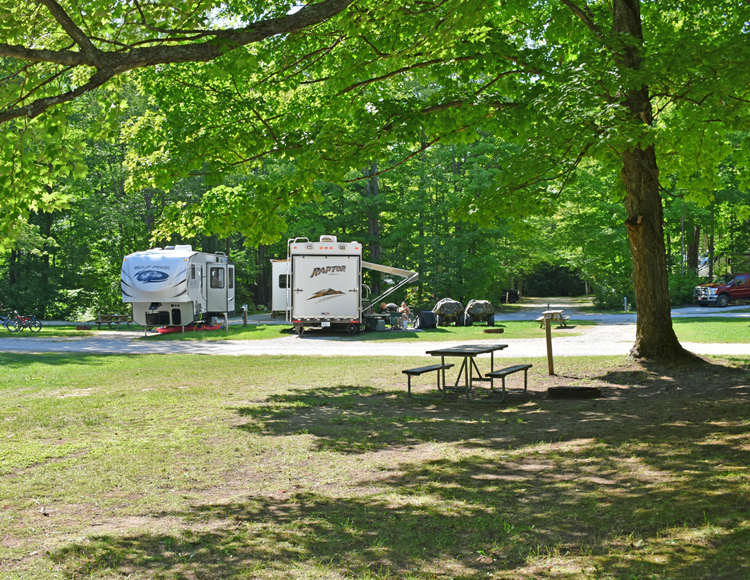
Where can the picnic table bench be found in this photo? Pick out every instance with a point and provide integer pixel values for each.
(428, 369)
(110, 319)
(503, 373)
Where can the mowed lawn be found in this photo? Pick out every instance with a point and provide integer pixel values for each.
(181, 467)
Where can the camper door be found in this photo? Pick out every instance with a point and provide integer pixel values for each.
(220, 291)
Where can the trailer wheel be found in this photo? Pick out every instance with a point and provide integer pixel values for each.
(464, 320)
(300, 329)
(352, 329)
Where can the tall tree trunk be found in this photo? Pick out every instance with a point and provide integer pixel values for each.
(12, 265)
(372, 190)
(711, 253)
(693, 247)
(682, 246)
(264, 283)
(655, 337)
(47, 230)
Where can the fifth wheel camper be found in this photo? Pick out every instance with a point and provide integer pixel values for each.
(177, 286)
(320, 284)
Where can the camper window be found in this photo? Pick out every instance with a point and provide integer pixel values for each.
(231, 277)
(284, 281)
(217, 278)
(192, 271)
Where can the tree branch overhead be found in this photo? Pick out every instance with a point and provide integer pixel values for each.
(164, 50)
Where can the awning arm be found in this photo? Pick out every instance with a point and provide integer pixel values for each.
(407, 275)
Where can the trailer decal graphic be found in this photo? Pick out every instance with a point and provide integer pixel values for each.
(327, 270)
(150, 276)
(326, 294)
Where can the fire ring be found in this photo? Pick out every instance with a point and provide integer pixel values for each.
(574, 392)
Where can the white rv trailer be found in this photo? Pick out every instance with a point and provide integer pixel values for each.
(320, 284)
(177, 286)
(279, 285)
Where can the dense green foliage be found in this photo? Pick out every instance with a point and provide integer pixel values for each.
(476, 143)
(67, 262)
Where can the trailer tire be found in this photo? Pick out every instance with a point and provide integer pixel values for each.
(464, 320)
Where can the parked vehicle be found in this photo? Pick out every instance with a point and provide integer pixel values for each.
(479, 311)
(320, 284)
(10, 323)
(510, 296)
(448, 310)
(29, 322)
(177, 286)
(723, 290)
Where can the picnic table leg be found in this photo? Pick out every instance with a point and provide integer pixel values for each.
(460, 372)
(469, 374)
(492, 370)
(475, 368)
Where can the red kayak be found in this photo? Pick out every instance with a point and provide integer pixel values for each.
(190, 328)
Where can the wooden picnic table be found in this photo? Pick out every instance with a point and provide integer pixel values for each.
(468, 352)
(554, 316)
(110, 319)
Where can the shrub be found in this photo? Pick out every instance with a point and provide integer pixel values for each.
(610, 294)
(681, 287)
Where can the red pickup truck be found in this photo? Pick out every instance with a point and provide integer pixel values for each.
(723, 290)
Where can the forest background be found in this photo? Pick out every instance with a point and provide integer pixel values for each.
(66, 263)
(196, 153)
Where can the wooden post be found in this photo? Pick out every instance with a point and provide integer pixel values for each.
(548, 332)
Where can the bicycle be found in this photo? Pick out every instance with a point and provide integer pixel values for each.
(10, 323)
(29, 322)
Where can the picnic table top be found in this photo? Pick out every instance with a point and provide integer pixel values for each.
(467, 350)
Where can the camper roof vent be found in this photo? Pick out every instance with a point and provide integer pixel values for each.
(187, 248)
(169, 247)
(329, 239)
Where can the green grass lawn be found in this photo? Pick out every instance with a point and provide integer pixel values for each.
(179, 467)
(694, 329)
(511, 329)
(718, 330)
(67, 331)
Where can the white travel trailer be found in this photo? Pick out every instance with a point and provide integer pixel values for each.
(279, 285)
(177, 286)
(320, 284)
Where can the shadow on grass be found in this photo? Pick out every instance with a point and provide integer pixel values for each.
(18, 360)
(635, 495)
(358, 419)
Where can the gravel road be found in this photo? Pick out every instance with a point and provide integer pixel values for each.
(600, 340)
(613, 335)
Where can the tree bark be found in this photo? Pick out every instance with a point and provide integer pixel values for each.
(711, 253)
(693, 247)
(372, 191)
(655, 338)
